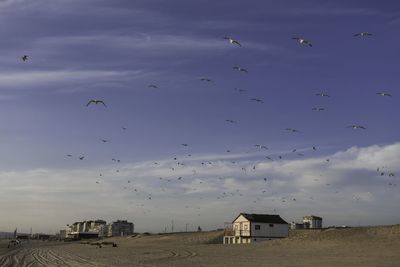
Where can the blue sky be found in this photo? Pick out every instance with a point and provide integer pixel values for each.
(113, 50)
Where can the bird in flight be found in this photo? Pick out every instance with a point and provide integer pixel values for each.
(104, 140)
(205, 80)
(257, 100)
(184, 144)
(123, 128)
(230, 121)
(292, 130)
(356, 127)
(314, 148)
(269, 158)
(362, 34)
(322, 94)
(81, 158)
(240, 69)
(240, 90)
(24, 58)
(95, 101)
(261, 146)
(318, 109)
(153, 86)
(232, 41)
(383, 94)
(302, 41)
(69, 155)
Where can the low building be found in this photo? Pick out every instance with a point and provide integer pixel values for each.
(120, 228)
(295, 225)
(248, 228)
(312, 222)
(85, 229)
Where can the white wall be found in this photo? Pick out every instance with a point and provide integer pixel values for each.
(241, 225)
(277, 230)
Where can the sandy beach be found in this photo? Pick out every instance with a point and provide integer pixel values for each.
(363, 246)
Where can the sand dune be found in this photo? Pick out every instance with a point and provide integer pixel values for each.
(361, 246)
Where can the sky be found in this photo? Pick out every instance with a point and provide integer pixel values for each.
(113, 50)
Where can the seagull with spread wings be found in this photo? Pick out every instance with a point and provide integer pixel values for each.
(24, 58)
(322, 94)
(152, 86)
(205, 79)
(356, 127)
(383, 94)
(96, 101)
(292, 130)
(303, 41)
(257, 100)
(362, 34)
(240, 69)
(232, 41)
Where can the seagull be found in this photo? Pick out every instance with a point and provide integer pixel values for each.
(257, 100)
(356, 127)
(240, 69)
(292, 130)
(362, 34)
(314, 148)
(231, 121)
(104, 140)
(184, 144)
(152, 86)
(81, 158)
(206, 80)
(69, 155)
(383, 94)
(24, 58)
(322, 94)
(232, 41)
(318, 109)
(95, 101)
(302, 41)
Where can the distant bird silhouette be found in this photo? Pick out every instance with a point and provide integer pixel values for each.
(261, 146)
(322, 94)
(206, 80)
(153, 86)
(356, 127)
(24, 58)
(95, 101)
(314, 148)
(269, 158)
(383, 94)
(232, 41)
(69, 155)
(104, 140)
(123, 128)
(303, 41)
(81, 158)
(184, 144)
(292, 130)
(230, 121)
(240, 90)
(257, 100)
(318, 109)
(240, 69)
(362, 34)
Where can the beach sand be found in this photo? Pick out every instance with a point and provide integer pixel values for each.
(361, 246)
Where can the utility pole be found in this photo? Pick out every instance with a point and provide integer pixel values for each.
(172, 226)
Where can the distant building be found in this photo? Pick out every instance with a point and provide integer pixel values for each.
(295, 225)
(85, 229)
(312, 222)
(248, 228)
(119, 228)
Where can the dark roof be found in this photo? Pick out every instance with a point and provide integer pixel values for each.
(263, 218)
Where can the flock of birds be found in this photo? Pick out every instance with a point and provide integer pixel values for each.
(260, 148)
